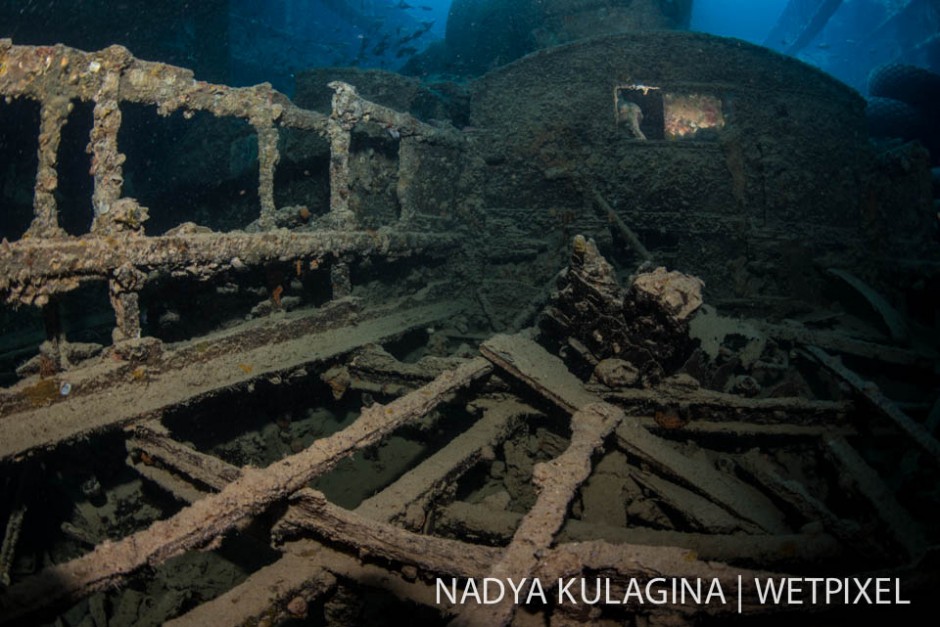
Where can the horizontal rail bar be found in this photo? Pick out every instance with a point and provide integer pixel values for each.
(177, 380)
(33, 269)
(41, 72)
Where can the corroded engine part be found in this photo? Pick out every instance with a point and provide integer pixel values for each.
(645, 325)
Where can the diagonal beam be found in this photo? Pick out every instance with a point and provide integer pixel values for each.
(870, 393)
(414, 487)
(557, 480)
(109, 564)
(547, 375)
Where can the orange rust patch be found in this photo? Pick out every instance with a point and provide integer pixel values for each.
(669, 419)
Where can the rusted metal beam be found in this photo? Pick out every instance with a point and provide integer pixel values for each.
(190, 373)
(349, 108)
(52, 117)
(204, 521)
(538, 369)
(890, 318)
(547, 375)
(267, 591)
(417, 488)
(340, 135)
(372, 369)
(304, 569)
(411, 490)
(795, 494)
(439, 555)
(268, 156)
(841, 343)
(308, 570)
(699, 513)
(40, 72)
(340, 280)
(557, 482)
(699, 473)
(466, 520)
(625, 231)
(205, 469)
(404, 583)
(179, 488)
(866, 390)
(106, 160)
(706, 405)
(302, 572)
(32, 269)
(18, 506)
(702, 429)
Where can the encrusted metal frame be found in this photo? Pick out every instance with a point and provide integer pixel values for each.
(47, 262)
(31, 270)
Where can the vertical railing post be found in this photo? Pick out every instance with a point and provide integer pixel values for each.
(55, 336)
(106, 159)
(114, 215)
(268, 156)
(53, 115)
(339, 129)
(344, 116)
(125, 299)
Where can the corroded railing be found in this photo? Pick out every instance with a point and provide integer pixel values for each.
(46, 261)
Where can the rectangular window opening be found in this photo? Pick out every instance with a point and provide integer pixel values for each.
(645, 112)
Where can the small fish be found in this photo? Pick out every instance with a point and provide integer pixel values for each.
(425, 7)
(403, 5)
(425, 27)
(381, 47)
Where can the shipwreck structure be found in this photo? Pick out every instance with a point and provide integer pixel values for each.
(382, 336)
